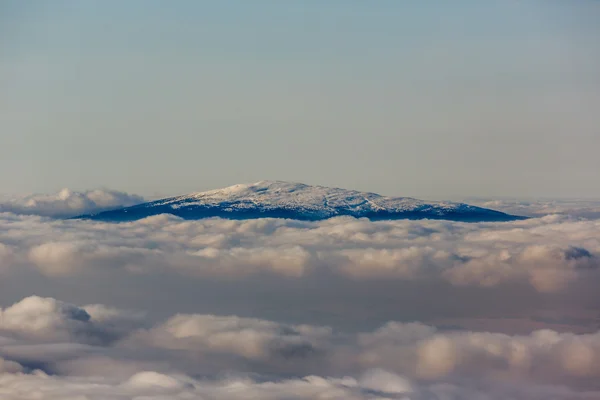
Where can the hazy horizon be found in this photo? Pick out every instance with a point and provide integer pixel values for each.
(428, 100)
(157, 194)
(277, 291)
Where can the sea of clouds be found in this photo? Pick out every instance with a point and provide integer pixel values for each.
(55, 350)
(68, 203)
(345, 308)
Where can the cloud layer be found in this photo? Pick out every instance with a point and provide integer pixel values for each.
(539, 208)
(548, 253)
(311, 307)
(59, 350)
(68, 203)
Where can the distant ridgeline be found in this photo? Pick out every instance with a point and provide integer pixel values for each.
(276, 199)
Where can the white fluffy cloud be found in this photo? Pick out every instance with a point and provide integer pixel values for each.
(68, 203)
(540, 208)
(548, 252)
(542, 356)
(50, 320)
(378, 384)
(246, 337)
(57, 350)
(399, 360)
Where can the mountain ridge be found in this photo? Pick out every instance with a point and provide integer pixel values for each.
(280, 199)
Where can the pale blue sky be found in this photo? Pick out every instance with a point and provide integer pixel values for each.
(429, 99)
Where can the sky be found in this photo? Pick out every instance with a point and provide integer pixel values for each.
(121, 101)
(432, 99)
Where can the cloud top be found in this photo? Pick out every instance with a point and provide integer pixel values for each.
(548, 253)
(294, 287)
(48, 347)
(68, 203)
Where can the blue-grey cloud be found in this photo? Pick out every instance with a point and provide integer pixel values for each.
(540, 251)
(41, 336)
(68, 203)
(589, 209)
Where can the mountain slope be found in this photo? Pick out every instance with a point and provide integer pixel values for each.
(277, 199)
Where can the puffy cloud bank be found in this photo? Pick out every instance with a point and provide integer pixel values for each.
(54, 350)
(548, 253)
(540, 208)
(67, 203)
(314, 310)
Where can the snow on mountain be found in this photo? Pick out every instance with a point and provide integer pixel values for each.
(279, 199)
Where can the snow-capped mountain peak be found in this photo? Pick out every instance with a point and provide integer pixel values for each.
(280, 199)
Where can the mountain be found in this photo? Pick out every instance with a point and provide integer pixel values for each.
(277, 199)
